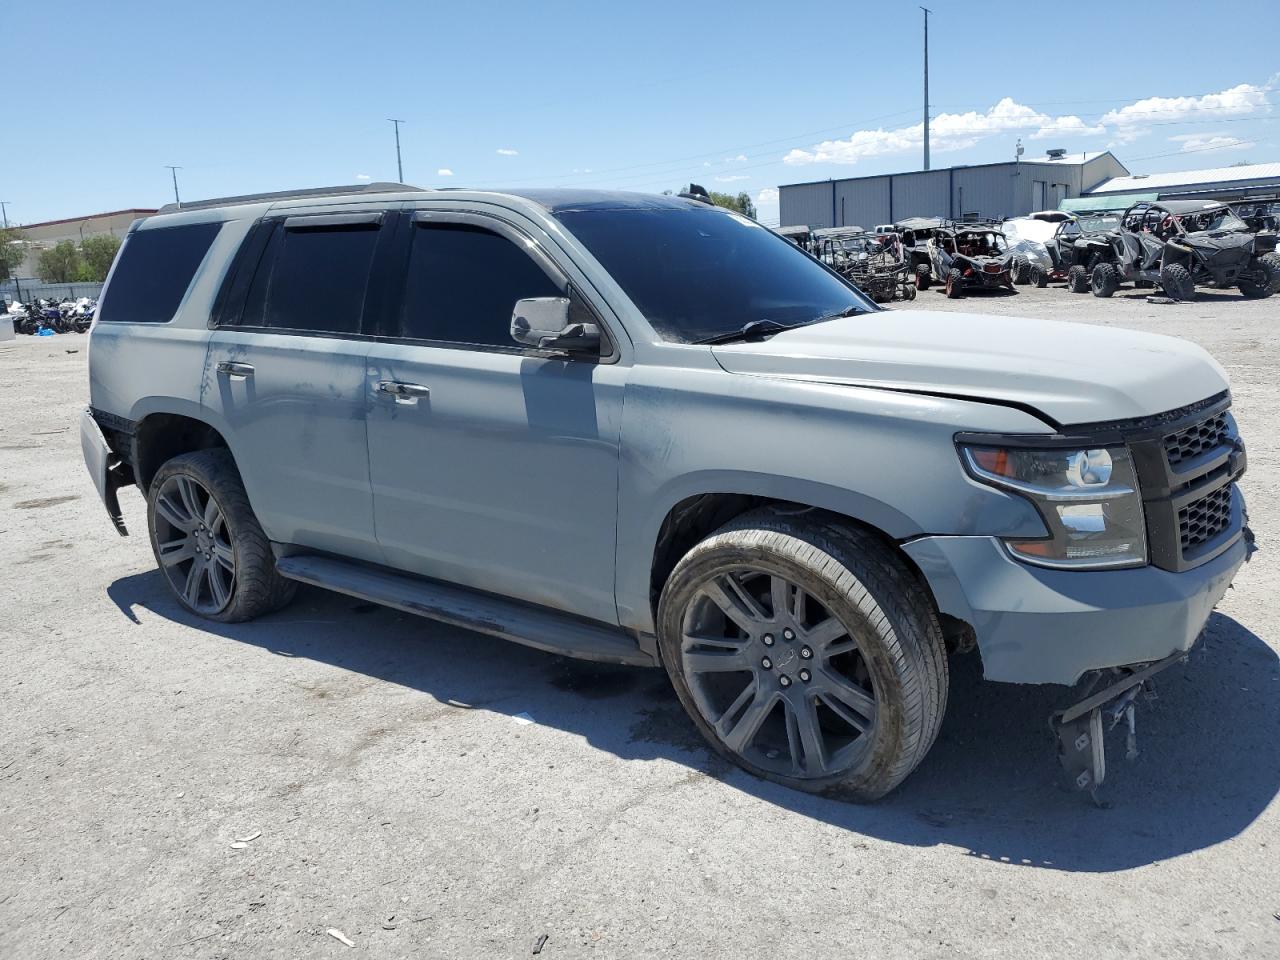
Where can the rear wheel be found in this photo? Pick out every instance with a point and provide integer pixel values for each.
(1020, 270)
(806, 653)
(955, 284)
(1266, 277)
(1105, 280)
(1078, 279)
(1175, 280)
(923, 276)
(207, 542)
(1036, 276)
(908, 292)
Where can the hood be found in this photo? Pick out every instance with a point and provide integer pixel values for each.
(1071, 373)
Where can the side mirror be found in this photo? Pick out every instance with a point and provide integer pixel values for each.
(543, 322)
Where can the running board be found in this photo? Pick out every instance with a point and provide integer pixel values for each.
(484, 613)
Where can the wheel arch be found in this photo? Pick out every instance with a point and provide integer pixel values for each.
(162, 433)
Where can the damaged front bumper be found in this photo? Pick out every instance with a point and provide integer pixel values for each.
(105, 468)
(1038, 625)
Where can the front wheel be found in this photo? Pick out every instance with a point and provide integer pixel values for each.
(1176, 282)
(955, 284)
(924, 276)
(214, 554)
(806, 653)
(1078, 279)
(1020, 270)
(1037, 277)
(1105, 280)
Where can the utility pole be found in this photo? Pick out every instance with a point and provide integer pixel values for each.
(174, 171)
(4, 213)
(927, 11)
(399, 165)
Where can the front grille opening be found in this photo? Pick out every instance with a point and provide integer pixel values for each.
(1194, 440)
(1206, 518)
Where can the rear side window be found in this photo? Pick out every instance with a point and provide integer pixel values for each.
(154, 271)
(463, 283)
(312, 279)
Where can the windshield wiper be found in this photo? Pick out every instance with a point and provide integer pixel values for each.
(760, 329)
(754, 330)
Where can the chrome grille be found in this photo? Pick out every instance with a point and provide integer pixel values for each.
(1201, 521)
(1189, 443)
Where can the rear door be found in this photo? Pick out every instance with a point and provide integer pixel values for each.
(498, 470)
(286, 375)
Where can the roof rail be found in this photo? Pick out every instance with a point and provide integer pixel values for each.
(381, 187)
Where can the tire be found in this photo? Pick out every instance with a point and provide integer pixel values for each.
(1175, 280)
(1020, 270)
(197, 503)
(1037, 277)
(1267, 269)
(1105, 280)
(908, 291)
(1078, 279)
(955, 284)
(924, 276)
(874, 644)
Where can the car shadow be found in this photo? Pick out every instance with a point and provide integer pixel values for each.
(991, 785)
(1201, 296)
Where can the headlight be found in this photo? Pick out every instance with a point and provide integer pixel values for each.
(1089, 500)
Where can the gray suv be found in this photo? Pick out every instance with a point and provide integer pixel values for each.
(643, 430)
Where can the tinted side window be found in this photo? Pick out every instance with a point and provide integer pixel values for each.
(463, 283)
(155, 269)
(312, 279)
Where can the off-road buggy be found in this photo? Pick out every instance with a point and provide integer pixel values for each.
(970, 258)
(915, 233)
(873, 262)
(1181, 244)
(1077, 246)
(801, 236)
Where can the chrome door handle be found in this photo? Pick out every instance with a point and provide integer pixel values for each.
(235, 371)
(405, 390)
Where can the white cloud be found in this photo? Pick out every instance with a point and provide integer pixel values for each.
(947, 131)
(766, 202)
(1134, 120)
(958, 131)
(733, 177)
(444, 172)
(508, 152)
(1210, 142)
(363, 176)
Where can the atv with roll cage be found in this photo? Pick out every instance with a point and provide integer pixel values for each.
(873, 262)
(971, 257)
(915, 234)
(1078, 245)
(1179, 245)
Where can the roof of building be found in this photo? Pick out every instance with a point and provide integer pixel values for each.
(140, 211)
(1189, 178)
(1074, 158)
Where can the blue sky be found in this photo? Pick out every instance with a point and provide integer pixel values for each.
(261, 96)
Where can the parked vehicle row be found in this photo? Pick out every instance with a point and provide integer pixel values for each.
(46, 317)
(1174, 246)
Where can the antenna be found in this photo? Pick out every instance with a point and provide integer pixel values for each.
(927, 11)
(174, 171)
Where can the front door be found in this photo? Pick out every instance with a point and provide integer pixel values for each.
(493, 466)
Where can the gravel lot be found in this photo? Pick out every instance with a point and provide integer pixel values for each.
(400, 800)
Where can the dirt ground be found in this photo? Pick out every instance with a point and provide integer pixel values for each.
(380, 764)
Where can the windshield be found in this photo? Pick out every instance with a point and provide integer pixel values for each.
(1221, 219)
(1108, 221)
(699, 272)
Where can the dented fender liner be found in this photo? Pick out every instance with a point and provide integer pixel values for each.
(1038, 625)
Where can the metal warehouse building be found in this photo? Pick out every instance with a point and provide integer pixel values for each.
(990, 190)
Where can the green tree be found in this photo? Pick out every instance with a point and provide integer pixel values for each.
(96, 256)
(60, 263)
(13, 250)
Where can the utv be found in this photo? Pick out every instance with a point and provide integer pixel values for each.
(971, 258)
(1077, 247)
(915, 233)
(801, 236)
(874, 263)
(1182, 244)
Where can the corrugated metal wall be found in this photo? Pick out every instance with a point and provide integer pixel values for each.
(862, 203)
(920, 195)
(805, 204)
